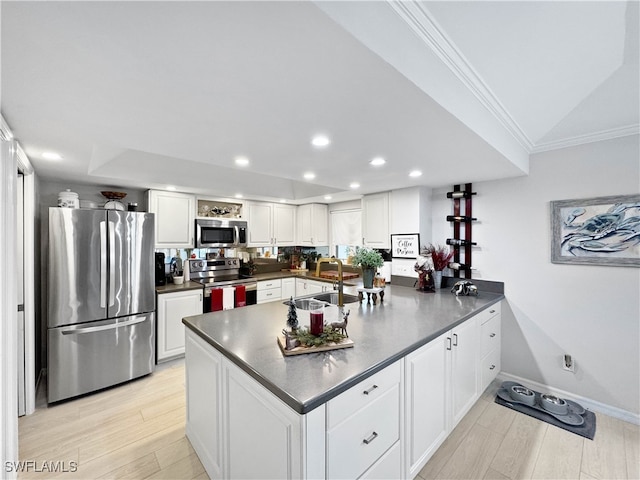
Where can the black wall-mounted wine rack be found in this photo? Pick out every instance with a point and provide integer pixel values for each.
(462, 240)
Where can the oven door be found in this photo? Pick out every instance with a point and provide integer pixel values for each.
(251, 296)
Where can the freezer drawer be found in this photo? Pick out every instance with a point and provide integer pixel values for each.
(94, 355)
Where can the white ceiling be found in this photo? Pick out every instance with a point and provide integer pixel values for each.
(147, 94)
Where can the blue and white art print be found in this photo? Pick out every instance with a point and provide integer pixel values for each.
(596, 231)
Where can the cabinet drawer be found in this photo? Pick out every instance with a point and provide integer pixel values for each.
(489, 368)
(389, 466)
(362, 394)
(490, 335)
(492, 311)
(267, 284)
(269, 295)
(358, 442)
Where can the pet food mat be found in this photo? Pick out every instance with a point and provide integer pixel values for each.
(579, 421)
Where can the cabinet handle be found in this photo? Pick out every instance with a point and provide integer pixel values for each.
(492, 311)
(448, 343)
(492, 367)
(200, 297)
(371, 438)
(455, 341)
(492, 335)
(369, 390)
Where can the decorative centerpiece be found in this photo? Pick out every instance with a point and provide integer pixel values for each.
(369, 260)
(316, 338)
(441, 257)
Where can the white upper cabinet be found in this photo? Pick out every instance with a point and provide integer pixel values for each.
(270, 224)
(174, 218)
(260, 223)
(375, 221)
(313, 225)
(284, 224)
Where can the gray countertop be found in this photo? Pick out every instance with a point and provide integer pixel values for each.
(172, 287)
(382, 334)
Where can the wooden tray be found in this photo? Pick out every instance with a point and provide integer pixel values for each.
(333, 275)
(346, 343)
(295, 270)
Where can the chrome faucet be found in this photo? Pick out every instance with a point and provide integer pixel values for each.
(340, 277)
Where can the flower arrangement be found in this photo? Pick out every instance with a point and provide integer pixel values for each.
(440, 255)
(367, 258)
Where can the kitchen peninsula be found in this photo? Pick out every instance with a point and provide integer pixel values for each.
(379, 409)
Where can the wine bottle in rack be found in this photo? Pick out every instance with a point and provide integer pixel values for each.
(458, 266)
(460, 194)
(459, 218)
(458, 242)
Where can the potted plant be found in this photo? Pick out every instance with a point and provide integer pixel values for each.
(369, 260)
(441, 257)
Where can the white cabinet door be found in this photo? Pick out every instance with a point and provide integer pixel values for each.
(205, 404)
(307, 287)
(172, 307)
(375, 221)
(284, 222)
(288, 288)
(260, 223)
(464, 364)
(174, 218)
(313, 225)
(426, 400)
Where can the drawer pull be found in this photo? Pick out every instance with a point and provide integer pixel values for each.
(492, 311)
(455, 339)
(371, 438)
(492, 335)
(369, 390)
(492, 367)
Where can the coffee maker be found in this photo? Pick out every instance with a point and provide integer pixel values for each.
(161, 277)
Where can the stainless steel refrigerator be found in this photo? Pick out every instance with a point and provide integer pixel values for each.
(101, 299)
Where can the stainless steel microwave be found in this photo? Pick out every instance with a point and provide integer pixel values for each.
(220, 233)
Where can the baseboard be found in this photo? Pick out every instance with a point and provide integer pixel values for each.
(588, 403)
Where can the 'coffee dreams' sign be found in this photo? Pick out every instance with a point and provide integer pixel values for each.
(405, 245)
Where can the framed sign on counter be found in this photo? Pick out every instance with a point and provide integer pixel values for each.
(406, 245)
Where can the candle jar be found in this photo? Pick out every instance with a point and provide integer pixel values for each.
(316, 317)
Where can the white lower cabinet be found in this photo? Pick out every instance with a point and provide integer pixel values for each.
(288, 288)
(464, 369)
(490, 335)
(269, 290)
(308, 287)
(172, 307)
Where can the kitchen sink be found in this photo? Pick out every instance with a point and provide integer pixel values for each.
(332, 297)
(303, 303)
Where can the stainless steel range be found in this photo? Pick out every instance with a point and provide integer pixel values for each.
(220, 273)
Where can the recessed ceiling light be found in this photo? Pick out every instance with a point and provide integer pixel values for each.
(309, 175)
(238, 195)
(354, 185)
(320, 141)
(171, 188)
(282, 200)
(415, 173)
(327, 197)
(376, 162)
(242, 161)
(51, 156)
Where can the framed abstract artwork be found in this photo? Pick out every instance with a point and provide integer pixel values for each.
(596, 231)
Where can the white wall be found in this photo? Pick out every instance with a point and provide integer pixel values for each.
(590, 312)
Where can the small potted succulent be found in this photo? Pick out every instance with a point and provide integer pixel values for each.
(369, 260)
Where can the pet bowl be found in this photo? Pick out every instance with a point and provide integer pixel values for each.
(554, 404)
(523, 394)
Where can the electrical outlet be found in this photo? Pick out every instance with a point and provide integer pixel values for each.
(568, 363)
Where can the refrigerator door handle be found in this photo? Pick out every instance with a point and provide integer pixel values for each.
(111, 326)
(103, 264)
(112, 263)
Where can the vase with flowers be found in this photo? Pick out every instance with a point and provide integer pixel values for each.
(441, 257)
(370, 260)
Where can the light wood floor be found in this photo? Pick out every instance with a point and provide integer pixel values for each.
(137, 431)
(495, 442)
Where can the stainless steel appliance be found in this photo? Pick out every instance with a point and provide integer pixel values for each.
(220, 233)
(101, 299)
(221, 272)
